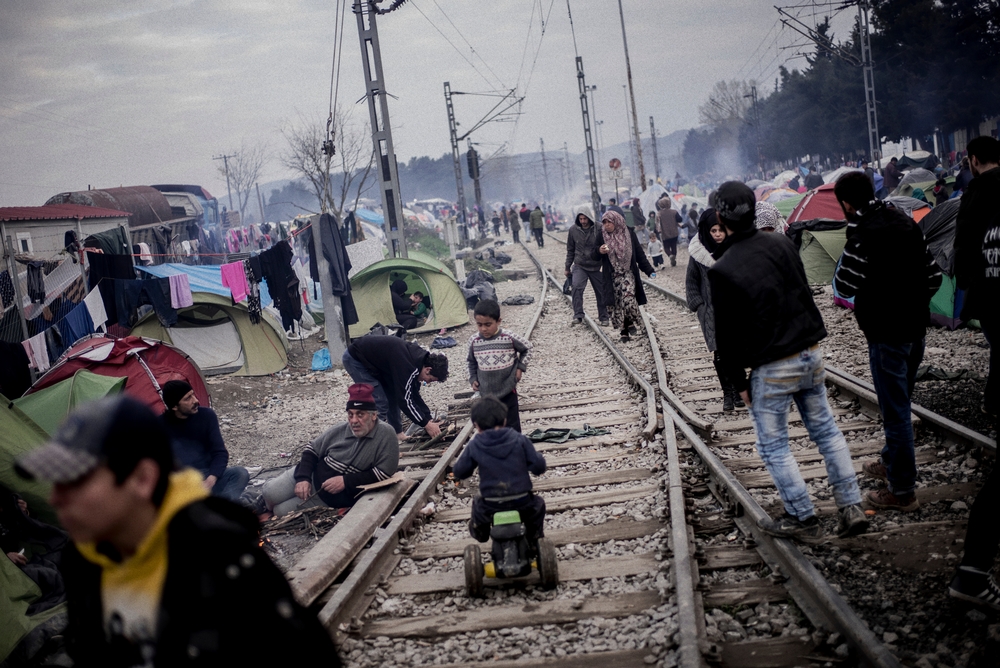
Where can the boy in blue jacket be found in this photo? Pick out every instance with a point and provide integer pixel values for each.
(504, 457)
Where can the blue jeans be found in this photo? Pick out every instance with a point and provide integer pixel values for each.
(231, 483)
(773, 387)
(360, 373)
(894, 370)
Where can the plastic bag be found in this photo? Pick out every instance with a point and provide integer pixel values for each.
(321, 360)
(568, 286)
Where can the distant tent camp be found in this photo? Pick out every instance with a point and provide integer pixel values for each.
(18, 435)
(818, 203)
(915, 178)
(220, 338)
(371, 294)
(939, 230)
(146, 364)
(48, 407)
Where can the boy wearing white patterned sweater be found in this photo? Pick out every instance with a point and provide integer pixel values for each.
(497, 358)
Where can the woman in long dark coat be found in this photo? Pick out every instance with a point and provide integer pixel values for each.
(621, 258)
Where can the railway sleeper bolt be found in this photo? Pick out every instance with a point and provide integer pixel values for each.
(355, 625)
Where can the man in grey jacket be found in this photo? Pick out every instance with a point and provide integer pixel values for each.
(581, 265)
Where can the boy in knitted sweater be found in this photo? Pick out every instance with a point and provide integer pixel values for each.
(497, 358)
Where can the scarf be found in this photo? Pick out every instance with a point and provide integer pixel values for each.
(769, 216)
(706, 222)
(618, 240)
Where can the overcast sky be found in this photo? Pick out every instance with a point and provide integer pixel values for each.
(118, 92)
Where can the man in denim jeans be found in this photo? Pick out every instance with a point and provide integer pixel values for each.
(765, 320)
(892, 276)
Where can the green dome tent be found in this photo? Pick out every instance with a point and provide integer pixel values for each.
(370, 289)
(18, 435)
(820, 252)
(49, 406)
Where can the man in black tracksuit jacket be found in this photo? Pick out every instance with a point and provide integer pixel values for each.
(395, 368)
(887, 268)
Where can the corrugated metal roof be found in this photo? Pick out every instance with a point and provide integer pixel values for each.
(145, 205)
(57, 212)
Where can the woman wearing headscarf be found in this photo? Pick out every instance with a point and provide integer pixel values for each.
(621, 258)
(710, 235)
(769, 219)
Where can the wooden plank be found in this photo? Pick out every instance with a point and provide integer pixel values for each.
(578, 412)
(769, 653)
(561, 403)
(549, 483)
(739, 425)
(549, 383)
(584, 535)
(498, 617)
(802, 456)
(696, 387)
(321, 565)
(588, 442)
(635, 658)
(588, 456)
(757, 479)
(704, 364)
(634, 418)
(568, 502)
(793, 434)
(532, 392)
(712, 395)
(569, 571)
(748, 592)
(720, 557)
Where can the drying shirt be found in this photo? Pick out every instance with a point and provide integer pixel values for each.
(494, 362)
(131, 589)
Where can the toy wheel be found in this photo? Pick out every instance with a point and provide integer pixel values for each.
(474, 571)
(548, 566)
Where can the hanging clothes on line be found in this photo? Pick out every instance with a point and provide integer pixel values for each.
(180, 291)
(252, 269)
(76, 325)
(110, 267)
(130, 295)
(95, 306)
(282, 283)
(36, 282)
(339, 264)
(234, 277)
(38, 351)
(15, 378)
(7, 293)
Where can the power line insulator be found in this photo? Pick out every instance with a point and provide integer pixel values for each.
(329, 148)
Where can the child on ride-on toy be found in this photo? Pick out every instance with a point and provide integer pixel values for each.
(504, 457)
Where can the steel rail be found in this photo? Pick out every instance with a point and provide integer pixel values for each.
(368, 570)
(647, 387)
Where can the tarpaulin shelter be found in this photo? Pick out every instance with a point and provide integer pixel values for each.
(146, 364)
(820, 252)
(202, 278)
(818, 203)
(48, 407)
(939, 231)
(371, 294)
(18, 435)
(220, 338)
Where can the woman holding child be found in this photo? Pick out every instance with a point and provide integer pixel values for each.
(621, 258)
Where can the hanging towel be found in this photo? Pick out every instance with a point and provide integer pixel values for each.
(95, 306)
(234, 277)
(180, 291)
(186, 246)
(144, 254)
(39, 351)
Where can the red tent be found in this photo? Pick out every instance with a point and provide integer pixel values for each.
(818, 203)
(147, 364)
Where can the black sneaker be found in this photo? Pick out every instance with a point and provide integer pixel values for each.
(605, 322)
(728, 405)
(853, 522)
(975, 586)
(738, 400)
(632, 330)
(789, 526)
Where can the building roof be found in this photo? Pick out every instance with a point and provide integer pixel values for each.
(57, 212)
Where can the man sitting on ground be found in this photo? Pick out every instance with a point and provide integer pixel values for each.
(159, 573)
(361, 451)
(197, 441)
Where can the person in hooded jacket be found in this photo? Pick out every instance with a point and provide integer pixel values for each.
(668, 219)
(402, 305)
(582, 266)
(711, 233)
(504, 458)
(622, 257)
(515, 225)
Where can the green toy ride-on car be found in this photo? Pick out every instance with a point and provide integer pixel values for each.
(513, 555)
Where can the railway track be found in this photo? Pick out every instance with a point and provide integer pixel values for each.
(654, 523)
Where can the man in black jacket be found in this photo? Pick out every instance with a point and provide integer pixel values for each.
(765, 319)
(892, 276)
(395, 368)
(581, 242)
(159, 573)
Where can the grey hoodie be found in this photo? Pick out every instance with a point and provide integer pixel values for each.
(580, 246)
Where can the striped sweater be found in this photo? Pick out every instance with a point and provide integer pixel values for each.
(338, 452)
(494, 362)
(888, 269)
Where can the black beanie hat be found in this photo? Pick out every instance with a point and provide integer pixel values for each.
(736, 205)
(174, 391)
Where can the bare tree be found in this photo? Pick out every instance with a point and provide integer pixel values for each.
(729, 102)
(245, 166)
(353, 161)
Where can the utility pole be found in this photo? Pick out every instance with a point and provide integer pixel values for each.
(545, 170)
(569, 172)
(631, 90)
(756, 125)
(656, 154)
(631, 150)
(874, 139)
(453, 132)
(378, 111)
(600, 184)
(225, 162)
(588, 139)
(260, 201)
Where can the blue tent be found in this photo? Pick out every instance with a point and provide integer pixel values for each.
(202, 278)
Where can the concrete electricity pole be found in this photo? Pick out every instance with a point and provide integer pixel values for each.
(656, 154)
(225, 162)
(545, 170)
(631, 92)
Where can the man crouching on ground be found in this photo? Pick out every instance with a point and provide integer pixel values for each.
(766, 320)
(361, 451)
(160, 573)
(504, 457)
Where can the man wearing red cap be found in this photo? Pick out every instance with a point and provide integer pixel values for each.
(358, 452)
